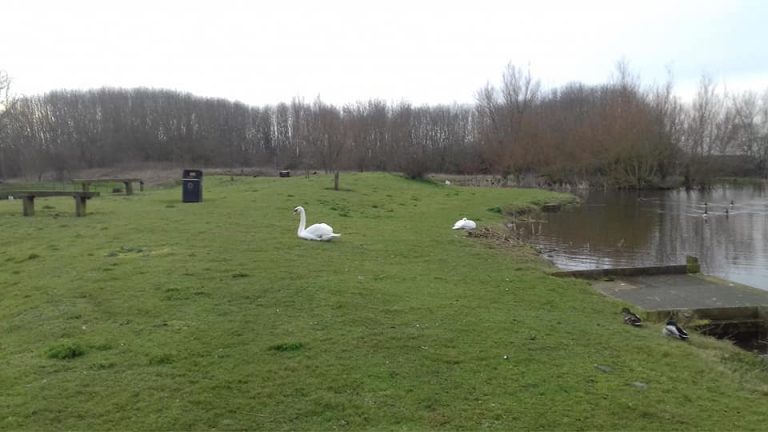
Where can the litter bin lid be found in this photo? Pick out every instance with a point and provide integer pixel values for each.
(192, 173)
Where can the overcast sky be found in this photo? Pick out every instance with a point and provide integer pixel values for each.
(425, 52)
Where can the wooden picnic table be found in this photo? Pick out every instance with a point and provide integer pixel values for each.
(128, 182)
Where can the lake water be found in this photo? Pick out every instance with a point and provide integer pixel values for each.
(629, 229)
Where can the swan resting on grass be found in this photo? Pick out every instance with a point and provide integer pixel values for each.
(321, 231)
(465, 224)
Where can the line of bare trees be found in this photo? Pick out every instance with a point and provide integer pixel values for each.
(5, 101)
(619, 133)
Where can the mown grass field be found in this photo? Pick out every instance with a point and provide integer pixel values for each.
(150, 314)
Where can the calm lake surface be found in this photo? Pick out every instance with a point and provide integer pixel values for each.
(629, 229)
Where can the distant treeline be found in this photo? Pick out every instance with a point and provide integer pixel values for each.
(620, 133)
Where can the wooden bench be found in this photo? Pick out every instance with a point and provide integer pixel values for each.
(128, 182)
(28, 198)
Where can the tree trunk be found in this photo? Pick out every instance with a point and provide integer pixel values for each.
(336, 180)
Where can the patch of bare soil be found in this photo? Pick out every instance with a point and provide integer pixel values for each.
(505, 238)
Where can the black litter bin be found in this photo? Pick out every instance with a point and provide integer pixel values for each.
(192, 186)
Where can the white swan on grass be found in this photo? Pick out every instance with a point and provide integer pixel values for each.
(465, 224)
(320, 231)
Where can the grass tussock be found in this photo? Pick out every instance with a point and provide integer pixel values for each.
(160, 359)
(202, 315)
(285, 347)
(65, 351)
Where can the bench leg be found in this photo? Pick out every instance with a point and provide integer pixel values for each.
(29, 206)
(128, 188)
(80, 205)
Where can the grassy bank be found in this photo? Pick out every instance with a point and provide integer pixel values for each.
(742, 181)
(150, 314)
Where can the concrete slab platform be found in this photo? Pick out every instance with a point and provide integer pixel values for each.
(681, 291)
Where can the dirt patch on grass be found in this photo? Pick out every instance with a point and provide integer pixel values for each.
(505, 237)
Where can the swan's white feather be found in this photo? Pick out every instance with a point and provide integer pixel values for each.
(319, 231)
(465, 224)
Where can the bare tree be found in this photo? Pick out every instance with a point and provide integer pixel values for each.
(762, 127)
(507, 128)
(705, 112)
(669, 124)
(327, 138)
(712, 129)
(751, 127)
(5, 85)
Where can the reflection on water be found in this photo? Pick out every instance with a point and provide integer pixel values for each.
(629, 229)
